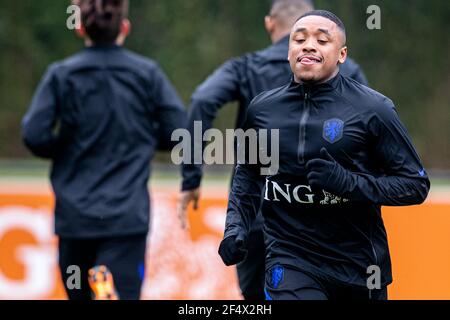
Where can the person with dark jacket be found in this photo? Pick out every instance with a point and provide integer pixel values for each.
(241, 79)
(343, 153)
(100, 116)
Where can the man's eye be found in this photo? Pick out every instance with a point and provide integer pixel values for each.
(322, 41)
(300, 40)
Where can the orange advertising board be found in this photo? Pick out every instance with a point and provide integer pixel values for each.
(185, 265)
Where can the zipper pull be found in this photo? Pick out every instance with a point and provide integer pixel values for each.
(307, 95)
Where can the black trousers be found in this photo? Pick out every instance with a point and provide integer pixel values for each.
(251, 271)
(123, 256)
(285, 283)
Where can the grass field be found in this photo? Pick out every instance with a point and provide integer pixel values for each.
(24, 170)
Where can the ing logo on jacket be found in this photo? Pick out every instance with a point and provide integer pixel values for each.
(302, 194)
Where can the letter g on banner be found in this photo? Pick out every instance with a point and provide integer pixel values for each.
(36, 256)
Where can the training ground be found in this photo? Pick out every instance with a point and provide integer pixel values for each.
(185, 265)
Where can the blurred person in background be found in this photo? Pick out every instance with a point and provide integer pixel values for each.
(241, 79)
(100, 116)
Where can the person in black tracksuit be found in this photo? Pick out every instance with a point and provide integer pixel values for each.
(241, 79)
(343, 153)
(100, 116)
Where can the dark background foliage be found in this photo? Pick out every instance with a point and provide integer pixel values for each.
(407, 60)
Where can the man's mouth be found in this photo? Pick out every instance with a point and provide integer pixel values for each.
(308, 60)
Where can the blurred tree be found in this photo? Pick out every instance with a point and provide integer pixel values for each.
(407, 60)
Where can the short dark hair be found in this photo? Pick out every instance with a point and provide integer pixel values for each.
(102, 18)
(287, 11)
(326, 14)
(307, 2)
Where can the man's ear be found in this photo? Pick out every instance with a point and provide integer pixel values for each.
(269, 24)
(125, 27)
(343, 55)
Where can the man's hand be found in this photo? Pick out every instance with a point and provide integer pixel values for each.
(232, 250)
(327, 174)
(186, 198)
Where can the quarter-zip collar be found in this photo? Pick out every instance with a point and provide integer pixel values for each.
(307, 90)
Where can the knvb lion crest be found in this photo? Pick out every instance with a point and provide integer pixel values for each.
(333, 130)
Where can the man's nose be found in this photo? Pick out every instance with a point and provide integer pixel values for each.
(308, 46)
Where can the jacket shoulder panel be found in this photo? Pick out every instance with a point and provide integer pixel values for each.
(364, 98)
(265, 97)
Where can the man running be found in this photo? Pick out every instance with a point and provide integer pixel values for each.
(344, 153)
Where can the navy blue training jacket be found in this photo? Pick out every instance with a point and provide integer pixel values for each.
(100, 116)
(336, 236)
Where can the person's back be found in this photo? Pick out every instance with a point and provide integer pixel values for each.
(100, 115)
(243, 78)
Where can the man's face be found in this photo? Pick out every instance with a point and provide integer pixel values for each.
(317, 47)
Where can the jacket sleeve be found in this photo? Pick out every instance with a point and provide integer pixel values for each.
(38, 125)
(245, 197)
(220, 88)
(170, 111)
(404, 181)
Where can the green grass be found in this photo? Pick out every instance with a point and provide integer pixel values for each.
(39, 170)
(440, 182)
